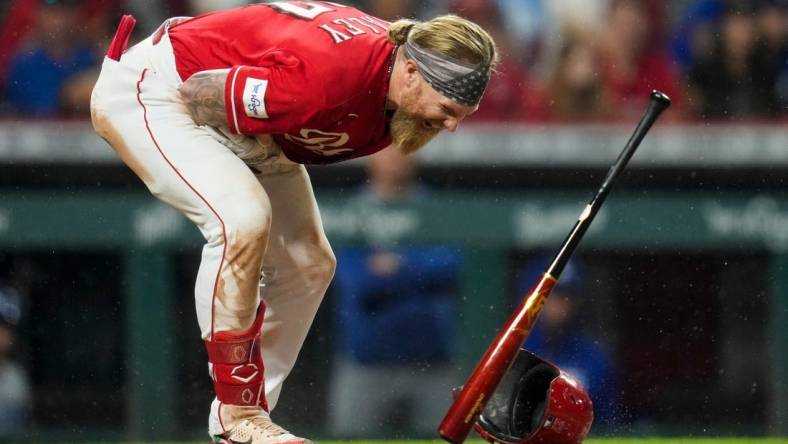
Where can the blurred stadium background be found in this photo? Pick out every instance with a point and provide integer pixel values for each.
(686, 268)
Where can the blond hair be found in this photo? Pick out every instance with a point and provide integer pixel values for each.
(450, 35)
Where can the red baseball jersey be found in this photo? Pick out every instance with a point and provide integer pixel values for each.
(314, 75)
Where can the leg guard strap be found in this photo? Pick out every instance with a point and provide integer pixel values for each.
(236, 365)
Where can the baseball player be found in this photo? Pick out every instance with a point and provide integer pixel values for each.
(218, 114)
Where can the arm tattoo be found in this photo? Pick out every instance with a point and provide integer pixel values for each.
(203, 95)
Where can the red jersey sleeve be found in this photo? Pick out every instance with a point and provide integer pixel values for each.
(277, 98)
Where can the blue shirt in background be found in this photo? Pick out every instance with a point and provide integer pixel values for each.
(35, 79)
(403, 317)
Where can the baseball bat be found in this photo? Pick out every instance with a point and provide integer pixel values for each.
(499, 356)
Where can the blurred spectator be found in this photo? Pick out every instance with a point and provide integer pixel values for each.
(771, 53)
(54, 72)
(576, 90)
(527, 23)
(49, 47)
(391, 9)
(15, 396)
(151, 13)
(633, 61)
(739, 77)
(537, 27)
(512, 93)
(694, 34)
(559, 338)
(396, 315)
(18, 17)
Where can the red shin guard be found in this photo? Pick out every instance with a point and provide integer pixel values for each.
(237, 365)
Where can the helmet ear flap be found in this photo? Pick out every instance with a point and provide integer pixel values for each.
(536, 402)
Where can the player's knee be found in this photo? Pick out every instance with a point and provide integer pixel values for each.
(98, 115)
(319, 263)
(99, 120)
(248, 228)
(329, 261)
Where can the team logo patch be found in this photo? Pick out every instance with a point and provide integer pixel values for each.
(254, 97)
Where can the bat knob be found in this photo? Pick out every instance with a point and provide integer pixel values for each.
(660, 99)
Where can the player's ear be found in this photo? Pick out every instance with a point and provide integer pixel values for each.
(411, 73)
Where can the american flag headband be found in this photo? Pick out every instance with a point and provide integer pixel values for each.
(460, 81)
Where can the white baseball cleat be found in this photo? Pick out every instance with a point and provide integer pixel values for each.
(259, 429)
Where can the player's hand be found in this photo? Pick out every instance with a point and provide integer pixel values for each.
(257, 151)
(267, 142)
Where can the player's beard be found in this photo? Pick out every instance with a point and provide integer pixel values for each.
(408, 130)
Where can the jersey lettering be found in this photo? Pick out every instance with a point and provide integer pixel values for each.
(360, 22)
(349, 26)
(336, 35)
(347, 23)
(311, 10)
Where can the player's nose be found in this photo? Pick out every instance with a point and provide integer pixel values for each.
(451, 124)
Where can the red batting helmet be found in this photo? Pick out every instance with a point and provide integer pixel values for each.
(536, 402)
